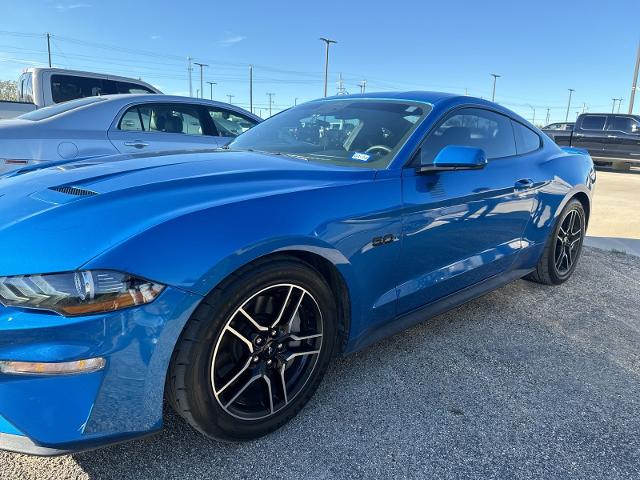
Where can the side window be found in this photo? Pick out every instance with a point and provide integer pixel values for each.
(171, 118)
(70, 87)
(526, 139)
(622, 124)
(26, 88)
(473, 127)
(228, 123)
(126, 87)
(131, 121)
(593, 122)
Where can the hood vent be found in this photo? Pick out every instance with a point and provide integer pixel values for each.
(75, 191)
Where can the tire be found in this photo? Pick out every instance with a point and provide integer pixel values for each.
(547, 270)
(221, 351)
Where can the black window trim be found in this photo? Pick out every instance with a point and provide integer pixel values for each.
(412, 158)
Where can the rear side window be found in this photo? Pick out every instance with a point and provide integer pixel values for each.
(26, 87)
(229, 124)
(593, 122)
(70, 87)
(526, 139)
(131, 121)
(623, 124)
(473, 127)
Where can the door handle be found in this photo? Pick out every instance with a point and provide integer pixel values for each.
(578, 134)
(136, 144)
(524, 184)
(612, 136)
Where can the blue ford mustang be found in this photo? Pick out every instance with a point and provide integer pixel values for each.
(225, 281)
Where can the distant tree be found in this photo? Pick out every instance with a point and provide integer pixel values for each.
(8, 90)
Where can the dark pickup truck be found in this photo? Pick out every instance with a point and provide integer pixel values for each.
(610, 138)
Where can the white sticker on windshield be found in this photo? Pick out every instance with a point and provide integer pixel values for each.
(361, 156)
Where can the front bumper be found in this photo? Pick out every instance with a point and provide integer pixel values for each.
(56, 414)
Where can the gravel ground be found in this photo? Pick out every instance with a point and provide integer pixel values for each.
(526, 382)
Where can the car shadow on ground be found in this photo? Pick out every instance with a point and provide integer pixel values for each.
(526, 382)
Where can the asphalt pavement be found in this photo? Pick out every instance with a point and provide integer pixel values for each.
(526, 382)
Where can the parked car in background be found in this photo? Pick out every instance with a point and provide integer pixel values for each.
(40, 87)
(227, 280)
(559, 126)
(110, 124)
(610, 138)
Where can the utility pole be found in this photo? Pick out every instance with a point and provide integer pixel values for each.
(211, 84)
(230, 97)
(189, 69)
(201, 65)
(495, 77)
(49, 47)
(584, 107)
(326, 61)
(251, 88)
(546, 122)
(362, 85)
(566, 118)
(466, 92)
(533, 120)
(341, 89)
(270, 101)
(295, 101)
(634, 86)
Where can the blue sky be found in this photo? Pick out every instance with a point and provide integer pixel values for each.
(540, 48)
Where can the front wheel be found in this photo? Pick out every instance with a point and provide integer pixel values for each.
(563, 248)
(255, 351)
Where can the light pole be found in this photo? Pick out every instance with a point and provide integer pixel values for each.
(533, 120)
(566, 118)
(495, 77)
(326, 61)
(619, 104)
(201, 65)
(363, 86)
(295, 101)
(211, 84)
(546, 122)
(230, 97)
(270, 101)
(613, 106)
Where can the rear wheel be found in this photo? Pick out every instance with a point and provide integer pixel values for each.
(254, 351)
(563, 248)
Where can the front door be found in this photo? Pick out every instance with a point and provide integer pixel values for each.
(461, 227)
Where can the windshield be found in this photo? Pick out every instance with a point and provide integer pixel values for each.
(353, 132)
(59, 108)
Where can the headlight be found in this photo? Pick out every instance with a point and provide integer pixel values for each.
(77, 293)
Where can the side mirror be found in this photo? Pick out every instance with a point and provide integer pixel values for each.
(634, 128)
(453, 157)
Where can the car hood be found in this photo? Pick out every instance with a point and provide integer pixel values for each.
(58, 218)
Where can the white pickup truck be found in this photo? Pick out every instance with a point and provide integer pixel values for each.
(40, 87)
